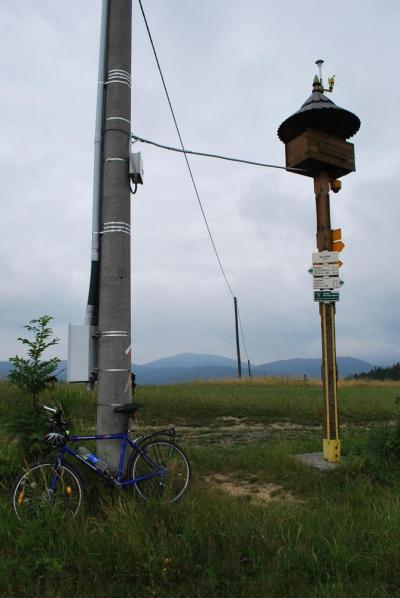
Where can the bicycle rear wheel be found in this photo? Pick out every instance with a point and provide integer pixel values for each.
(43, 487)
(170, 486)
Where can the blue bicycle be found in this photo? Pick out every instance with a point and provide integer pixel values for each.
(157, 468)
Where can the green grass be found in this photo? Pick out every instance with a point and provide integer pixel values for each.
(266, 401)
(338, 536)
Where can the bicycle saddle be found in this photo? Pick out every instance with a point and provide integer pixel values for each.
(127, 408)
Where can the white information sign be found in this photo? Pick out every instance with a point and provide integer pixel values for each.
(326, 283)
(325, 270)
(325, 257)
(325, 273)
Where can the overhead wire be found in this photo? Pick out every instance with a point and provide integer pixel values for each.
(219, 157)
(185, 152)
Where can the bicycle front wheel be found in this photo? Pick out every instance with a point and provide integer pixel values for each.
(45, 487)
(169, 486)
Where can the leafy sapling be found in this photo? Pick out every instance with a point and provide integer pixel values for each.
(32, 374)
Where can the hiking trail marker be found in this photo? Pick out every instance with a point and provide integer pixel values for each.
(315, 145)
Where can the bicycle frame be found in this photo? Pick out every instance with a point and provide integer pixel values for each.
(125, 441)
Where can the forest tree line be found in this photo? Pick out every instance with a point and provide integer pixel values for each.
(379, 373)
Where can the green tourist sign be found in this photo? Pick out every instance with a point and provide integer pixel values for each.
(326, 296)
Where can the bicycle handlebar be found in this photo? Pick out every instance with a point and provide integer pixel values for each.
(57, 417)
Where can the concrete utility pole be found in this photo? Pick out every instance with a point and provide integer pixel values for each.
(237, 338)
(114, 322)
(315, 142)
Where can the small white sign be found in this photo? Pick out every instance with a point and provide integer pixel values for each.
(326, 283)
(325, 257)
(325, 270)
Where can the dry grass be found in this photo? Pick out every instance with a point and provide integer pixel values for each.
(273, 381)
(263, 381)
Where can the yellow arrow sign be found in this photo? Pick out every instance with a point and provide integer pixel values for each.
(338, 246)
(336, 234)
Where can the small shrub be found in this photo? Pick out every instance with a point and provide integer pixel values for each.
(27, 423)
(389, 443)
(380, 451)
(32, 375)
(25, 418)
(10, 462)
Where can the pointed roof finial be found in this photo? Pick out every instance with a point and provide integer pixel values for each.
(319, 64)
(320, 113)
(317, 84)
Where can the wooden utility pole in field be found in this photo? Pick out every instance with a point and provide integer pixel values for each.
(315, 143)
(235, 305)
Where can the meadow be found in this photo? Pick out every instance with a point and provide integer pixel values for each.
(255, 521)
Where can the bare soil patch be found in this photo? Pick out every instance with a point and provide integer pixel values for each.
(250, 488)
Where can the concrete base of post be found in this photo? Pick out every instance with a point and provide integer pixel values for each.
(317, 461)
(331, 450)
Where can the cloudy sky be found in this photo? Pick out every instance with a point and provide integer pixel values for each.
(235, 70)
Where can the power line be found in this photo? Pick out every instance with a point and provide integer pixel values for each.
(186, 151)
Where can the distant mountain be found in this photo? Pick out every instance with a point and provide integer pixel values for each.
(61, 370)
(347, 366)
(191, 360)
(192, 366)
(5, 367)
(174, 375)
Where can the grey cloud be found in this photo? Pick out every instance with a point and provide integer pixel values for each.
(234, 73)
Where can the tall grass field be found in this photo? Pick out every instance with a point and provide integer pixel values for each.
(255, 522)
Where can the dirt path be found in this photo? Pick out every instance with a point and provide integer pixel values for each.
(229, 431)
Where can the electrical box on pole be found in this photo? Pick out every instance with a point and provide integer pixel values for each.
(315, 142)
(81, 353)
(136, 172)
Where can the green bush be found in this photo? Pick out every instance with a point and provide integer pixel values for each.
(27, 423)
(379, 451)
(10, 463)
(31, 375)
(25, 420)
